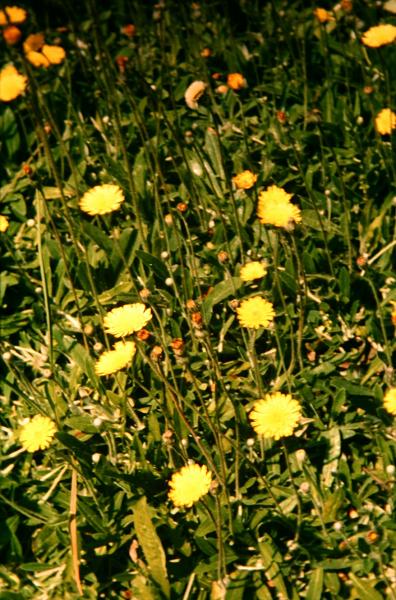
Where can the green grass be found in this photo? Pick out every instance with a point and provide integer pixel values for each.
(308, 516)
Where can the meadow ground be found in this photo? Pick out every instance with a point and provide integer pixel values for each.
(197, 227)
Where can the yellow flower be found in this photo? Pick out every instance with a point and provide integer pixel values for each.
(385, 121)
(252, 270)
(189, 485)
(102, 199)
(274, 208)
(275, 416)
(3, 223)
(33, 43)
(37, 434)
(390, 401)
(244, 180)
(54, 54)
(236, 81)
(41, 54)
(114, 360)
(380, 35)
(126, 319)
(12, 83)
(12, 14)
(193, 93)
(255, 312)
(323, 15)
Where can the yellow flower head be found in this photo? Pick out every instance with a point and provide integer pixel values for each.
(380, 35)
(33, 43)
(255, 312)
(102, 199)
(114, 360)
(274, 208)
(390, 401)
(244, 180)
(193, 93)
(3, 223)
(12, 14)
(323, 15)
(40, 54)
(252, 270)
(236, 81)
(189, 485)
(37, 434)
(126, 319)
(54, 54)
(385, 121)
(275, 416)
(12, 83)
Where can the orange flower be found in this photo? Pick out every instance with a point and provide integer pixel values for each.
(323, 15)
(12, 14)
(236, 81)
(40, 54)
(12, 35)
(244, 180)
(129, 30)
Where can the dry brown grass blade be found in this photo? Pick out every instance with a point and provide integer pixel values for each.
(73, 531)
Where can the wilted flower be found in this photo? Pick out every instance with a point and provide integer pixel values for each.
(189, 485)
(390, 401)
(275, 416)
(252, 270)
(385, 121)
(379, 35)
(12, 83)
(102, 199)
(274, 208)
(112, 361)
(236, 81)
(193, 93)
(206, 52)
(245, 180)
(12, 14)
(255, 312)
(37, 434)
(129, 30)
(126, 319)
(4, 223)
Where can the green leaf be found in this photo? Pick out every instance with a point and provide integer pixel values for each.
(153, 263)
(272, 560)
(151, 544)
(219, 292)
(315, 586)
(365, 591)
